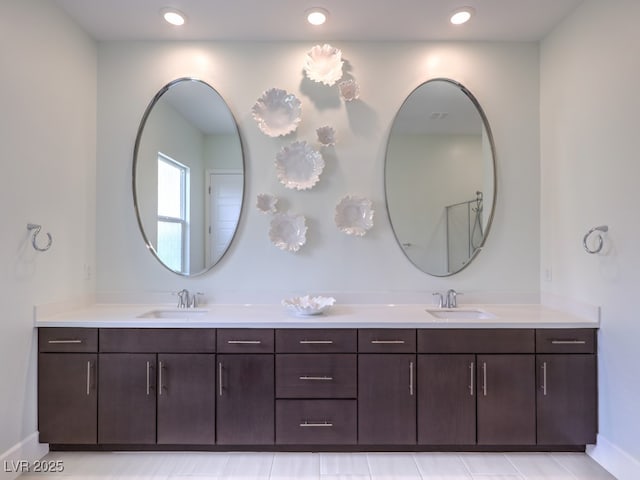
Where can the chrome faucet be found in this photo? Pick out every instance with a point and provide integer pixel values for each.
(184, 298)
(440, 299)
(452, 299)
(187, 299)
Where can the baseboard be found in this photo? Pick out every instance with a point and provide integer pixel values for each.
(614, 459)
(21, 456)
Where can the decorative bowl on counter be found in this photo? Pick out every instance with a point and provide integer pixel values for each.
(308, 305)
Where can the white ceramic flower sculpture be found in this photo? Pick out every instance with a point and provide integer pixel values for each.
(326, 136)
(299, 166)
(266, 203)
(308, 305)
(323, 64)
(277, 112)
(288, 232)
(349, 89)
(354, 215)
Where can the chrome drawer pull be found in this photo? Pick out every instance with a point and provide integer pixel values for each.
(244, 342)
(568, 342)
(316, 342)
(64, 341)
(314, 424)
(316, 378)
(387, 342)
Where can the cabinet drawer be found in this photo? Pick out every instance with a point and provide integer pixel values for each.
(316, 340)
(81, 340)
(507, 340)
(164, 340)
(386, 340)
(319, 422)
(316, 376)
(245, 340)
(565, 340)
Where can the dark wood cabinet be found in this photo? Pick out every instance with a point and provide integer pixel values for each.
(378, 388)
(127, 398)
(446, 399)
(566, 399)
(506, 400)
(245, 406)
(387, 399)
(67, 398)
(186, 398)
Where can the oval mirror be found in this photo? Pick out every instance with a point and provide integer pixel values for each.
(188, 176)
(440, 177)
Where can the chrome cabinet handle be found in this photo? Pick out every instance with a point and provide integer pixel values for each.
(387, 342)
(316, 342)
(316, 424)
(160, 378)
(244, 342)
(305, 377)
(88, 378)
(148, 378)
(484, 378)
(411, 378)
(73, 341)
(220, 379)
(471, 377)
(568, 342)
(544, 378)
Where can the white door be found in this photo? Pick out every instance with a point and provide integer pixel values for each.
(225, 202)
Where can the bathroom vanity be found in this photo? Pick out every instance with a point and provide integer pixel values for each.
(360, 378)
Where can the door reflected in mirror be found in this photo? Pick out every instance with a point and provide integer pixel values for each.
(440, 177)
(188, 176)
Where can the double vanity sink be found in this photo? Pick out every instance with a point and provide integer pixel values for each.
(364, 377)
(338, 316)
(431, 314)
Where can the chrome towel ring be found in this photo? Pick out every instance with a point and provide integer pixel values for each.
(36, 230)
(600, 230)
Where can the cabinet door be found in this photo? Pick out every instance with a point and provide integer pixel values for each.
(506, 400)
(245, 406)
(446, 400)
(567, 399)
(186, 398)
(67, 398)
(386, 399)
(127, 398)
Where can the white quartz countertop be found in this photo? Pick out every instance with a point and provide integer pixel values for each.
(339, 316)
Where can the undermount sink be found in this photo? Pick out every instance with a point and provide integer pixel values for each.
(177, 313)
(460, 313)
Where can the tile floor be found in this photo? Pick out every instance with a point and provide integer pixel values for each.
(322, 466)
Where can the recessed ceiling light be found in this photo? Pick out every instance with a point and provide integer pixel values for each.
(317, 16)
(173, 16)
(462, 15)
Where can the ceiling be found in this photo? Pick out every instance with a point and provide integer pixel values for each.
(349, 20)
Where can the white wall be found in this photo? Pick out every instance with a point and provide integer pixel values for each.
(48, 139)
(504, 78)
(590, 71)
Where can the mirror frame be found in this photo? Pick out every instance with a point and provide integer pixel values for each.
(487, 127)
(136, 149)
